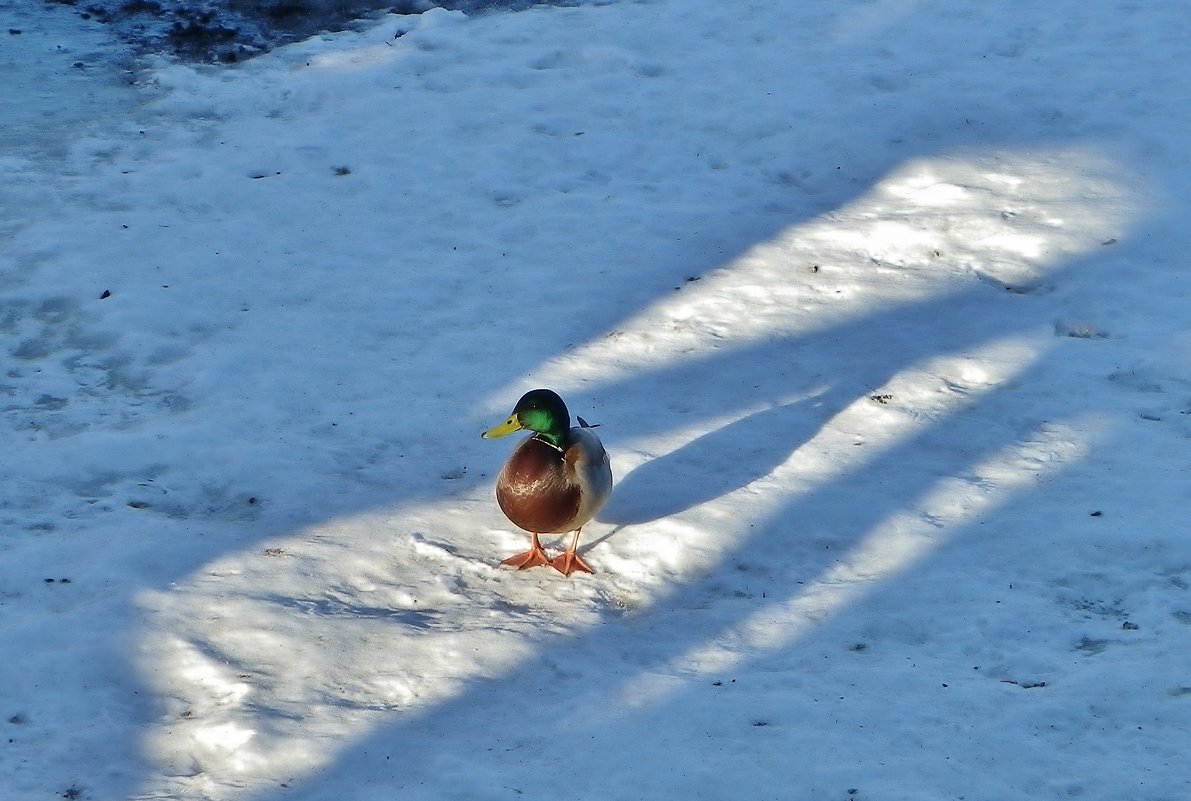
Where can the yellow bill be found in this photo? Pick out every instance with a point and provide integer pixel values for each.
(504, 429)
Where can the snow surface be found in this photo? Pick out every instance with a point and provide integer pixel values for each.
(883, 308)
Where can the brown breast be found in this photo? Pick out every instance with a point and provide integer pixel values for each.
(533, 489)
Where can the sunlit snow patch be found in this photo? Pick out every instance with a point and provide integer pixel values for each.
(894, 546)
(923, 232)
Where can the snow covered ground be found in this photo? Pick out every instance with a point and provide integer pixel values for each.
(883, 308)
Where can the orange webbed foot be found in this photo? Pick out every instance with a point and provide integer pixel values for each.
(568, 562)
(534, 557)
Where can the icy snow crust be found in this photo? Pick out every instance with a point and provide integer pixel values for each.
(882, 308)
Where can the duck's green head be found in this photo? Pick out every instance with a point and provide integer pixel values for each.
(540, 411)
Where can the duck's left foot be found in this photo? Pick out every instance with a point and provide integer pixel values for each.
(568, 562)
(534, 557)
(531, 558)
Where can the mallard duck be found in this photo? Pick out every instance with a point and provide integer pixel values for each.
(557, 479)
